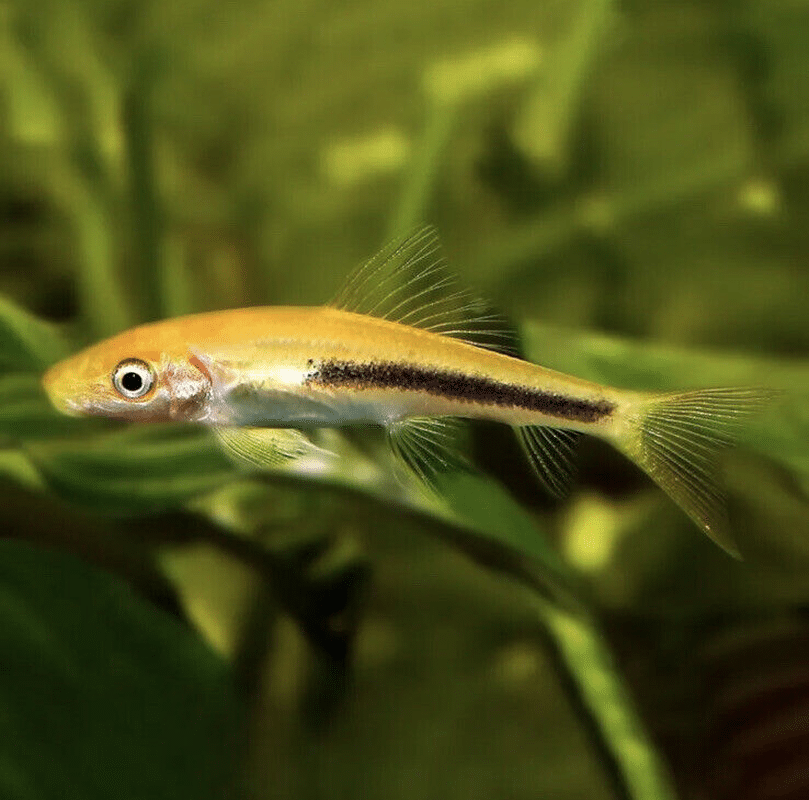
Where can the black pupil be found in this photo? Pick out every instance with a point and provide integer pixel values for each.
(132, 381)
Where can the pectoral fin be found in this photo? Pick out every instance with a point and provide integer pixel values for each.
(269, 448)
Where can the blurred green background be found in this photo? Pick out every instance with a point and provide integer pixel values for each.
(628, 182)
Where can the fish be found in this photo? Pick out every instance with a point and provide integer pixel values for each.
(401, 347)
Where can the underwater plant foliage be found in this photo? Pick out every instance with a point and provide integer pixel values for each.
(626, 184)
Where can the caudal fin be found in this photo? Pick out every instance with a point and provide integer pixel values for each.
(677, 439)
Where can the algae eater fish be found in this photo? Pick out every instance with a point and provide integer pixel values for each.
(399, 347)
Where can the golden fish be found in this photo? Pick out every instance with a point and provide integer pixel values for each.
(401, 349)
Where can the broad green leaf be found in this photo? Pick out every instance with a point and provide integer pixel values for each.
(27, 414)
(495, 525)
(654, 366)
(143, 469)
(101, 694)
(26, 342)
(137, 470)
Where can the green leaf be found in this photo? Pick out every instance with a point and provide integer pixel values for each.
(485, 508)
(543, 127)
(101, 694)
(61, 47)
(494, 525)
(588, 660)
(26, 342)
(137, 470)
(147, 217)
(30, 112)
(26, 413)
(18, 467)
(419, 178)
(177, 286)
(103, 297)
(143, 469)
(654, 366)
(482, 520)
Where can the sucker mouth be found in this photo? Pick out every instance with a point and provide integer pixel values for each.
(58, 401)
(69, 407)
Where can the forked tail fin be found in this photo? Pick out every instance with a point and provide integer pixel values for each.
(677, 439)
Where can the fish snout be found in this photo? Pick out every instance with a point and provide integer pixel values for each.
(61, 391)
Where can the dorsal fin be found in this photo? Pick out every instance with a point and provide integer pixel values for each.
(408, 282)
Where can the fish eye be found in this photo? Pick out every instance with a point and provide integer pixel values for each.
(133, 378)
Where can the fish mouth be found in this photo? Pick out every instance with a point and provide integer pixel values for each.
(67, 406)
(72, 409)
(60, 400)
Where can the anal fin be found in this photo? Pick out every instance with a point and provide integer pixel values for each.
(552, 455)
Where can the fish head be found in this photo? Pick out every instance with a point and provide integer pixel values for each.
(139, 375)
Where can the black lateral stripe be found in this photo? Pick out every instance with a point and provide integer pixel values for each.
(456, 386)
